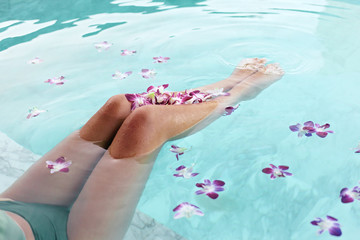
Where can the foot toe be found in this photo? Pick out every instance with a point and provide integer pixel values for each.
(253, 64)
(273, 68)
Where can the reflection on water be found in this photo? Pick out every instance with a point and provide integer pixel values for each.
(65, 10)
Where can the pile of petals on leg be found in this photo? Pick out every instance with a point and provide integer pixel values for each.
(309, 128)
(330, 224)
(100, 46)
(127, 52)
(348, 196)
(148, 73)
(159, 96)
(34, 112)
(56, 80)
(185, 172)
(210, 188)
(120, 75)
(35, 61)
(161, 59)
(229, 110)
(187, 210)
(60, 165)
(178, 150)
(277, 171)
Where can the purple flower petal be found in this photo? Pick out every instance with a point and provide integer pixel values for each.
(331, 218)
(343, 191)
(283, 167)
(322, 134)
(335, 231)
(347, 199)
(180, 168)
(60, 160)
(315, 222)
(309, 124)
(201, 185)
(177, 208)
(267, 170)
(218, 183)
(295, 128)
(64, 170)
(207, 182)
(272, 166)
(178, 215)
(213, 195)
(219, 189)
(198, 192)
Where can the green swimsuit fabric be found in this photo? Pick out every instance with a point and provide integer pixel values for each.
(48, 222)
(9, 229)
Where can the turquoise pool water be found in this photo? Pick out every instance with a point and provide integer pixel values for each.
(317, 44)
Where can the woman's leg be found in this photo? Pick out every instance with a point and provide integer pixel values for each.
(108, 200)
(39, 186)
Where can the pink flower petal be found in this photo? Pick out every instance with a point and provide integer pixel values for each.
(60, 160)
(267, 170)
(322, 134)
(218, 183)
(198, 192)
(180, 168)
(309, 124)
(64, 170)
(213, 195)
(283, 167)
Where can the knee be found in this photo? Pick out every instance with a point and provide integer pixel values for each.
(140, 133)
(116, 105)
(142, 120)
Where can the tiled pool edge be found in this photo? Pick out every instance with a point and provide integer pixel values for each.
(15, 159)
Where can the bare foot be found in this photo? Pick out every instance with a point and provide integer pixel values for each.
(250, 87)
(242, 71)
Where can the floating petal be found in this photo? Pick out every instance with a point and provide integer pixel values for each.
(100, 46)
(127, 52)
(35, 61)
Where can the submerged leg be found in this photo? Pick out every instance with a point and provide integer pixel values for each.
(62, 188)
(108, 200)
(85, 147)
(243, 70)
